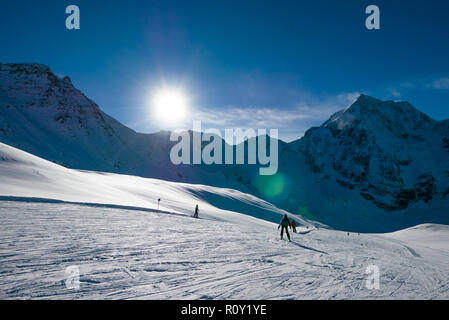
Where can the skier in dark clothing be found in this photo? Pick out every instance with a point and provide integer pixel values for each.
(293, 224)
(285, 223)
(195, 215)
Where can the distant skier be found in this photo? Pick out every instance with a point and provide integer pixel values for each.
(158, 202)
(293, 224)
(195, 215)
(285, 223)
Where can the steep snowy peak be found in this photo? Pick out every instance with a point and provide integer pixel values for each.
(389, 151)
(32, 84)
(399, 118)
(47, 116)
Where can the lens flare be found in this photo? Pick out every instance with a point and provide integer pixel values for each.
(272, 186)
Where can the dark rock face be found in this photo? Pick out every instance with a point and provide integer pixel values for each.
(345, 184)
(424, 190)
(404, 197)
(425, 187)
(445, 143)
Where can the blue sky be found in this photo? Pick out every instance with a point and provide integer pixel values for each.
(262, 64)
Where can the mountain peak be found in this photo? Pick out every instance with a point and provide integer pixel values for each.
(34, 84)
(67, 81)
(26, 68)
(368, 103)
(374, 114)
(365, 99)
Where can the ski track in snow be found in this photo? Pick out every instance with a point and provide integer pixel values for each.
(132, 254)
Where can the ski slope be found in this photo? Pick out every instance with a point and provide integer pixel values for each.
(130, 254)
(30, 178)
(109, 227)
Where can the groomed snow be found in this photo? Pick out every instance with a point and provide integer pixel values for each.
(129, 254)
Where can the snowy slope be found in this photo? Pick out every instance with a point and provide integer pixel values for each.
(377, 166)
(426, 238)
(126, 249)
(26, 176)
(129, 254)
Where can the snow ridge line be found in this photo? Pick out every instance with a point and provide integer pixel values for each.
(89, 204)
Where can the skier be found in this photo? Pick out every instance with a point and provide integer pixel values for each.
(293, 224)
(195, 215)
(285, 223)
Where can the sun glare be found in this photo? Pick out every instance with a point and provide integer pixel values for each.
(170, 106)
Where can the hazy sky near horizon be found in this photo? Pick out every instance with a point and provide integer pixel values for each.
(261, 64)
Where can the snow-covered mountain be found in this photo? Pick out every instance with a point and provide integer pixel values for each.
(375, 166)
(392, 153)
(48, 117)
(375, 163)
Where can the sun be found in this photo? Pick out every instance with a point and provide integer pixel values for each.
(170, 106)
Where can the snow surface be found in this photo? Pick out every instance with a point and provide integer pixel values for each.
(128, 254)
(127, 249)
(24, 177)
